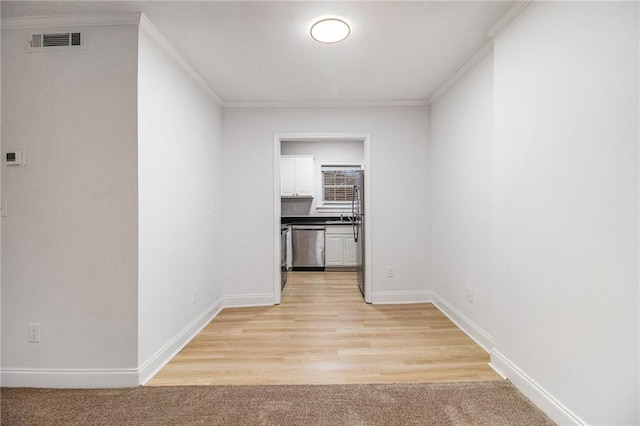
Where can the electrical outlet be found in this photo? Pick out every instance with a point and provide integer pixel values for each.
(195, 296)
(15, 158)
(470, 294)
(391, 271)
(34, 332)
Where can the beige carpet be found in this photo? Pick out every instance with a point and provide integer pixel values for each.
(470, 403)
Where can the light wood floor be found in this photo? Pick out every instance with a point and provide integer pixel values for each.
(324, 333)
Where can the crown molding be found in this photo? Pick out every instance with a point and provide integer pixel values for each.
(125, 19)
(462, 71)
(508, 16)
(325, 104)
(139, 19)
(28, 22)
(496, 28)
(166, 45)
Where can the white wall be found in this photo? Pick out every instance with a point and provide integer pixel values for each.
(460, 167)
(1, 195)
(552, 248)
(399, 199)
(323, 151)
(566, 204)
(69, 255)
(180, 191)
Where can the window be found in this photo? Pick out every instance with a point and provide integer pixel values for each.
(337, 184)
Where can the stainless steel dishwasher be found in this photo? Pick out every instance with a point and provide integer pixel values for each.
(308, 247)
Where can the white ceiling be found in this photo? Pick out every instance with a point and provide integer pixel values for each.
(261, 52)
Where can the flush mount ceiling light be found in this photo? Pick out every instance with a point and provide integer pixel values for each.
(330, 30)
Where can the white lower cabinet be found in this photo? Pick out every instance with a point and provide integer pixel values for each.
(349, 250)
(333, 249)
(339, 247)
(289, 249)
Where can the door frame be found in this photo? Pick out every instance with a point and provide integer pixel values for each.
(278, 138)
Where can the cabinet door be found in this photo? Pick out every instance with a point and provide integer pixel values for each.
(350, 250)
(333, 250)
(287, 177)
(289, 250)
(304, 177)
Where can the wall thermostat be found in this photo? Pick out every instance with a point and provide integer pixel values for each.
(14, 158)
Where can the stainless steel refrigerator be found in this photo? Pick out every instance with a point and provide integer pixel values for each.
(358, 218)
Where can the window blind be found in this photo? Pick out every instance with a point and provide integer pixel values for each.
(337, 183)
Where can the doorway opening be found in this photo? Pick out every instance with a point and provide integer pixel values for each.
(307, 204)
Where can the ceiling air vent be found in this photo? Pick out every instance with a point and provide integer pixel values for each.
(57, 41)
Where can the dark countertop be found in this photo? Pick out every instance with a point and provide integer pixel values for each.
(311, 220)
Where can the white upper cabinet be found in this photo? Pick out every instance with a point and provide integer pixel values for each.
(296, 176)
(304, 176)
(287, 177)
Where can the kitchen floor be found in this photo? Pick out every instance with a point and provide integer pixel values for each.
(324, 333)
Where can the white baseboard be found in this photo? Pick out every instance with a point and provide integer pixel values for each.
(154, 364)
(113, 378)
(109, 378)
(69, 378)
(393, 297)
(508, 370)
(471, 329)
(536, 393)
(158, 360)
(244, 300)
